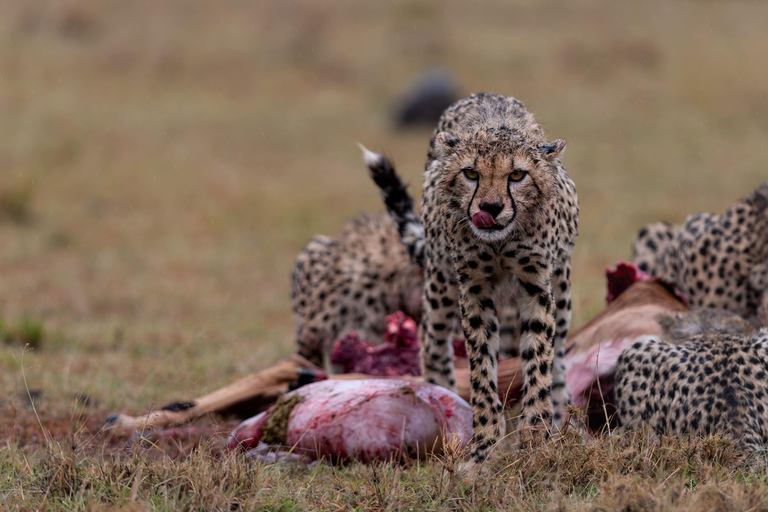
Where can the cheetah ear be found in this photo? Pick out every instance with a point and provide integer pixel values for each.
(760, 198)
(446, 143)
(552, 150)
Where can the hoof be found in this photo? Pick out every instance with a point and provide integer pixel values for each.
(110, 421)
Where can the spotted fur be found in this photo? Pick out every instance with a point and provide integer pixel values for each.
(351, 282)
(400, 207)
(707, 374)
(370, 269)
(524, 259)
(716, 261)
(650, 241)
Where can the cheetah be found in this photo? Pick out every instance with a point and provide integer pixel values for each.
(716, 261)
(352, 281)
(706, 374)
(500, 219)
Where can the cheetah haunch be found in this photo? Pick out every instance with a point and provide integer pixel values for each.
(707, 373)
(500, 217)
(716, 261)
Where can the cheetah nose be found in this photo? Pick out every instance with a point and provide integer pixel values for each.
(493, 208)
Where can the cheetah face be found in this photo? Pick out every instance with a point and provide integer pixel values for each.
(498, 185)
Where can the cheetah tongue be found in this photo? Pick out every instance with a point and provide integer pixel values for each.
(483, 219)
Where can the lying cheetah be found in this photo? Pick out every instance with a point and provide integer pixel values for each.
(710, 376)
(352, 282)
(716, 261)
(500, 218)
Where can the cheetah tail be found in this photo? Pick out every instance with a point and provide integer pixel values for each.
(399, 203)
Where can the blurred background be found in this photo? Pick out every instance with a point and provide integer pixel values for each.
(163, 163)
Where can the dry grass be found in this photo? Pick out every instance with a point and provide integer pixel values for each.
(163, 162)
(624, 472)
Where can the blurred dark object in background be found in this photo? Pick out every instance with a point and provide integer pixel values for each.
(429, 94)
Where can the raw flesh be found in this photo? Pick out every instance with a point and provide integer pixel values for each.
(398, 356)
(365, 420)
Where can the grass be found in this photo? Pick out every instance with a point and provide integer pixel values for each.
(15, 203)
(27, 332)
(624, 472)
(169, 160)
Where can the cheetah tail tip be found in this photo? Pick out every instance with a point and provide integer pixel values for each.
(371, 159)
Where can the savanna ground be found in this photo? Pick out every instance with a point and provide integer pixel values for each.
(162, 164)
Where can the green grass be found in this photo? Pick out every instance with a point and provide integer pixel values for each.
(170, 159)
(26, 332)
(15, 203)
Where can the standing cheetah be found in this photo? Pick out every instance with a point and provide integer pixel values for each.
(716, 261)
(500, 218)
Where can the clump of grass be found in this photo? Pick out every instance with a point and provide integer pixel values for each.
(60, 239)
(26, 331)
(16, 203)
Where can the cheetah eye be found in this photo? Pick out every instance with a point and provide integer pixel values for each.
(470, 173)
(517, 175)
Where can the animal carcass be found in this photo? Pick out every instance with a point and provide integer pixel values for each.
(364, 420)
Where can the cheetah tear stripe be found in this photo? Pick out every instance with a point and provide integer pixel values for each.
(483, 219)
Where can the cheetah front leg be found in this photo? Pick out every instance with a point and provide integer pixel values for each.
(537, 330)
(440, 292)
(481, 330)
(562, 292)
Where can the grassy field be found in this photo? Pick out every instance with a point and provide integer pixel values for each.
(162, 164)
